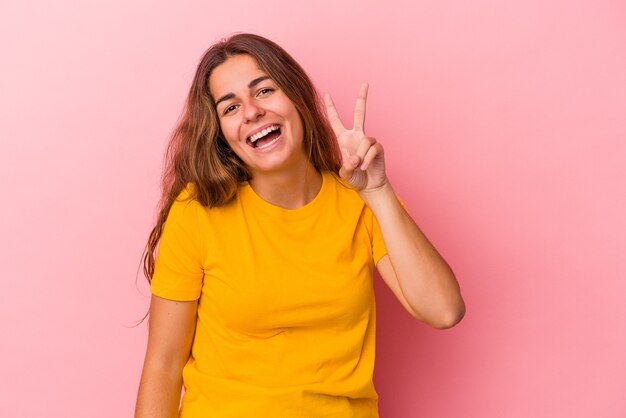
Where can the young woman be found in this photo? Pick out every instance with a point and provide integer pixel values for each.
(271, 223)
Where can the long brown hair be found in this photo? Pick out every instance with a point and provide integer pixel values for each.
(198, 153)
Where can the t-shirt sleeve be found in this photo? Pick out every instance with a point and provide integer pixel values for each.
(379, 249)
(178, 272)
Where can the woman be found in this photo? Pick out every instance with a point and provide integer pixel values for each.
(269, 230)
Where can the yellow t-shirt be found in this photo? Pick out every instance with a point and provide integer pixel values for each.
(286, 317)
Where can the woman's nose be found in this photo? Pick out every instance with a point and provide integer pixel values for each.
(252, 111)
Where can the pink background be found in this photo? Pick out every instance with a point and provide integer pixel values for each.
(504, 126)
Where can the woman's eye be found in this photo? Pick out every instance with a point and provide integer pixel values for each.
(230, 109)
(265, 91)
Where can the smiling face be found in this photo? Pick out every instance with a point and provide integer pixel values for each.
(259, 122)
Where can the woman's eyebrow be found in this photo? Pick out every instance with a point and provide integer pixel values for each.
(224, 97)
(257, 81)
(251, 84)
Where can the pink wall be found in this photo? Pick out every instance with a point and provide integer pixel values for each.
(504, 125)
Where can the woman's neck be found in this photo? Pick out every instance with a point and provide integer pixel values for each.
(288, 189)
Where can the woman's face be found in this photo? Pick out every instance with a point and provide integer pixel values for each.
(259, 122)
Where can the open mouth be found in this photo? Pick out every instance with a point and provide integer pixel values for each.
(265, 138)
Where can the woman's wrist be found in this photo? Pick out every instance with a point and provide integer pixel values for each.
(380, 197)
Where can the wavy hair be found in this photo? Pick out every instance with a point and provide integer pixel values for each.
(197, 152)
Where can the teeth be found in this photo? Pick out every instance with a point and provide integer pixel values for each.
(268, 144)
(264, 132)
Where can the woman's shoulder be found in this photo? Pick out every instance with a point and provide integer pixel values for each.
(189, 206)
(189, 200)
(186, 193)
(185, 198)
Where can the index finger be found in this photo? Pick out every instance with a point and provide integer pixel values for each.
(359, 109)
(333, 116)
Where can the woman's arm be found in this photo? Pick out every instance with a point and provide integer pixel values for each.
(171, 329)
(413, 269)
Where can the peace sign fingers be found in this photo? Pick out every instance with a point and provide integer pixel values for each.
(363, 165)
(359, 109)
(333, 116)
(359, 112)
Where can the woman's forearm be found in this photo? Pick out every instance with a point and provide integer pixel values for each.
(159, 394)
(426, 280)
